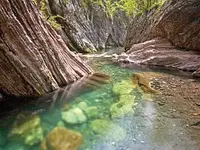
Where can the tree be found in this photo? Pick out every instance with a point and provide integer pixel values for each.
(33, 58)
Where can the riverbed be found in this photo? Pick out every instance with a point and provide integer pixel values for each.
(110, 113)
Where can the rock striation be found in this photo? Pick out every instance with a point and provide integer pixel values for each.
(87, 28)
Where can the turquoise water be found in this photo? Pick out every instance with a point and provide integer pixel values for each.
(95, 114)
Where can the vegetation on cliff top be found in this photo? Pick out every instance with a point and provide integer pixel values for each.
(130, 7)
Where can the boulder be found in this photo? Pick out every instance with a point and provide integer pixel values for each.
(123, 87)
(61, 139)
(74, 116)
(27, 128)
(124, 106)
(143, 80)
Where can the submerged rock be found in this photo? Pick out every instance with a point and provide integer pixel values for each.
(61, 139)
(82, 105)
(90, 111)
(124, 106)
(27, 128)
(108, 130)
(74, 116)
(123, 87)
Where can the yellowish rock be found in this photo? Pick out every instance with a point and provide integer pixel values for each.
(61, 138)
(124, 87)
(124, 106)
(143, 81)
(27, 128)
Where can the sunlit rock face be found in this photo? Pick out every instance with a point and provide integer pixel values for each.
(160, 52)
(177, 20)
(88, 28)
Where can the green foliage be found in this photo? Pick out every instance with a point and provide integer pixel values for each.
(53, 22)
(50, 18)
(130, 7)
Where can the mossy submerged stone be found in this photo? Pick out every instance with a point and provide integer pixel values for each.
(123, 87)
(74, 116)
(90, 111)
(124, 106)
(29, 129)
(108, 130)
(61, 138)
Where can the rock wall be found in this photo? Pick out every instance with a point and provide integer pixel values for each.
(88, 28)
(177, 20)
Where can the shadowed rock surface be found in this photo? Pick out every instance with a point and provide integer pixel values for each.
(88, 28)
(177, 20)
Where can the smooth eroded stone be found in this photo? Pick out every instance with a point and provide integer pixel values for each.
(61, 138)
(74, 116)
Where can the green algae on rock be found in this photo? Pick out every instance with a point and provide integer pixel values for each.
(123, 87)
(61, 138)
(74, 116)
(124, 106)
(28, 130)
(108, 129)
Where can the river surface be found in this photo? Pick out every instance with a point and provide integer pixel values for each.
(94, 113)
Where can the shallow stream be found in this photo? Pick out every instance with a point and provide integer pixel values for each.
(99, 120)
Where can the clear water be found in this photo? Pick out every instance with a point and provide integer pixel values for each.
(137, 130)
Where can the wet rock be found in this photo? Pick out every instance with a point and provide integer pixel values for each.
(74, 116)
(82, 105)
(123, 87)
(61, 139)
(108, 130)
(90, 111)
(144, 81)
(124, 106)
(27, 128)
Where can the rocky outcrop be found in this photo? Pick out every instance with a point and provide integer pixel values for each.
(177, 23)
(160, 52)
(87, 28)
(34, 59)
(177, 20)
